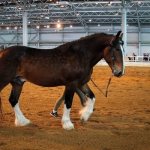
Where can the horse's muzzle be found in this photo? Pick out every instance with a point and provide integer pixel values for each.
(117, 73)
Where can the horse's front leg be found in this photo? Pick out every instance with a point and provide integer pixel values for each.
(20, 119)
(87, 110)
(66, 122)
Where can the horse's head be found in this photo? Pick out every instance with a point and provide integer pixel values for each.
(114, 55)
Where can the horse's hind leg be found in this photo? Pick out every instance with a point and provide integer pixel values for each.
(58, 103)
(89, 106)
(20, 119)
(82, 96)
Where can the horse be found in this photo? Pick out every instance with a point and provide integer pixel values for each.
(70, 65)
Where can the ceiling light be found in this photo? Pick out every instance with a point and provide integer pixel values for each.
(77, 14)
(37, 27)
(62, 6)
(47, 17)
(109, 4)
(58, 25)
(48, 26)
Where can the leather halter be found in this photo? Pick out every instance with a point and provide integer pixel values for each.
(113, 45)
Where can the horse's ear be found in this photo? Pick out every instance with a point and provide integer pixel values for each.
(119, 34)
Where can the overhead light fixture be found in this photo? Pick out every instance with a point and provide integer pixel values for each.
(71, 26)
(110, 3)
(58, 25)
(48, 26)
(7, 28)
(77, 14)
(46, 17)
(62, 6)
(37, 27)
(90, 20)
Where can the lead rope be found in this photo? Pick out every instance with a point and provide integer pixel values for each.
(106, 92)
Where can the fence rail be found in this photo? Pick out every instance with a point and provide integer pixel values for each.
(137, 58)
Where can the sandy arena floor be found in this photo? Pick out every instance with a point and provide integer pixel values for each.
(119, 122)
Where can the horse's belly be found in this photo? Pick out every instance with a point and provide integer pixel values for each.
(49, 79)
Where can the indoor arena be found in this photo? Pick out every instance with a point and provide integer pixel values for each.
(74, 75)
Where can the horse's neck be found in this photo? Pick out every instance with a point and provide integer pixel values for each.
(98, 53)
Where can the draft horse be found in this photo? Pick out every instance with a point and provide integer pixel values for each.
(68, 65)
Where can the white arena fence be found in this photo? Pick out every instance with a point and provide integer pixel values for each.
(140, 61)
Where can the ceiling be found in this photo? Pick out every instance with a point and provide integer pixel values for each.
(86, 13)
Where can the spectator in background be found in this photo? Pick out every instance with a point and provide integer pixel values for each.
(134, 56)
(145, 56)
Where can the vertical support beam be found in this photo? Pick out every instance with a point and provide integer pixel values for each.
(124, 27)
(63, 35)
(139, 32)
(38, 38)
(25, 29)
(139, 50)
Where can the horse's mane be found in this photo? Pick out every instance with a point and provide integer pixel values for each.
(103, 37)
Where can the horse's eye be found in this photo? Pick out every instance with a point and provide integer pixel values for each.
(117, 49)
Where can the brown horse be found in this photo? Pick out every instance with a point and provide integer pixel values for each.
(70, 64)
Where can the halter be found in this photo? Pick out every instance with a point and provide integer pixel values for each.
(112, 45)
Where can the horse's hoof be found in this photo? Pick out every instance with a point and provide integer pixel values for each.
(85, 115)
(67, 125)
(23, 123)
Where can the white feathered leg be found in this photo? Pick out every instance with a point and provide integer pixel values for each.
(66, 122)
(87, 110)
(20, 119)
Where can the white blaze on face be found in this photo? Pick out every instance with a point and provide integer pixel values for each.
(123, 62)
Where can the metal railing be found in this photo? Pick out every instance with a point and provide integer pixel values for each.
(137, 58)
